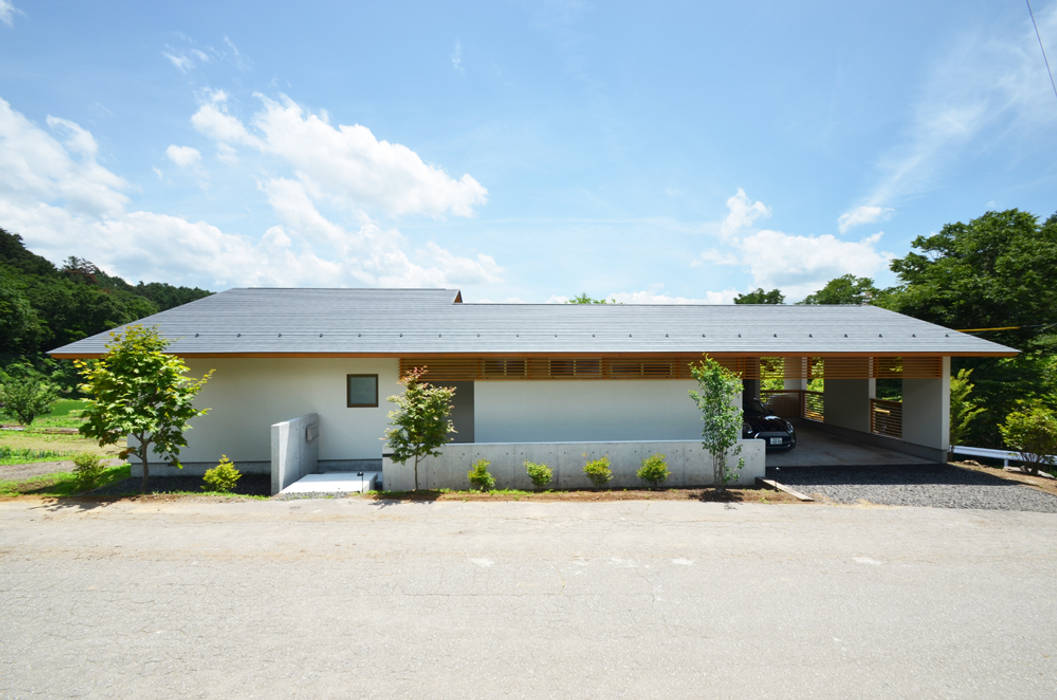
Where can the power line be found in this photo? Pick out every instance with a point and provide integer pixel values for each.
(1042, 48)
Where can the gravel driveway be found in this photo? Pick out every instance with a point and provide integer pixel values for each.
(939, 486)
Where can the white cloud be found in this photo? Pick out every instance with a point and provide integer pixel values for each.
(34, 166)
(742, 212)
(54, 193)
(76, 138)
(652, 297)
(345, 165)
(183, 156)
(986, 87)
(375, 256)
(655, 296)
(456, 57)
(8, 12)
(796, 264)
(866, 214)
(181, 62)
(213, 120)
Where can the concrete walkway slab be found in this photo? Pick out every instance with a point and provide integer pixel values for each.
(817, 448)
(334, 482)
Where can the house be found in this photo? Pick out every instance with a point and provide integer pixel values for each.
(302, 377)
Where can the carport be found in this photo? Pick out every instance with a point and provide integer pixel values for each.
(836, 402)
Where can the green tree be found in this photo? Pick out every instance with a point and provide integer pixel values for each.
(138, 390)
(989, 273)
(1031, 430)
(846, 289)
(21, 329)
(716, 397)
(963, 408)
(759, 296)
(583, 298)
(26, 394)
(420, 422)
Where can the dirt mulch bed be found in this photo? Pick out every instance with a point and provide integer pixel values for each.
(1039, 482)
(734, 495)
(249, 485)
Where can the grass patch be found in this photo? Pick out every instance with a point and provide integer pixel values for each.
(24, 455)
(58, 485)
(58, 445)
(64, 413)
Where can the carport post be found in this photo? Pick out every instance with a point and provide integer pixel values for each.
(926, 410)
(795, 374)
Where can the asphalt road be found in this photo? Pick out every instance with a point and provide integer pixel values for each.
(342, 598)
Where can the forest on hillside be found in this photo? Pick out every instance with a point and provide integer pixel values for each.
(43, 306)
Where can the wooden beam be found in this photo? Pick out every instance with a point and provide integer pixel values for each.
(782, 487)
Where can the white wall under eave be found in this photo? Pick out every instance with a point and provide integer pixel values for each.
(247, 395)
(847, 402)
(584, 410)
(926, 410)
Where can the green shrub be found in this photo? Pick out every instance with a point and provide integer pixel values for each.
(224, 477)
(540, 474)
(88, 469)
(479, 476)
(27, 397)
(1031, 430)
(598, 471)
(654, 470)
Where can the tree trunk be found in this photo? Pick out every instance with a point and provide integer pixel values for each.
(719, 471)
(144, 450)
(416, 472)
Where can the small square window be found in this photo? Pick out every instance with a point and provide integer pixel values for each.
(361, 390)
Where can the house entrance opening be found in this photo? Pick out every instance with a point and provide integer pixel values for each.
(462, 410)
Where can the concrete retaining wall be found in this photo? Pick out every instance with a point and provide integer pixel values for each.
(295, 450)
(690, 465)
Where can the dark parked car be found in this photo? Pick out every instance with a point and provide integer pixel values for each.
(761, 424)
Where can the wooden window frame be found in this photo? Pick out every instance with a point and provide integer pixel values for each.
(348, 398)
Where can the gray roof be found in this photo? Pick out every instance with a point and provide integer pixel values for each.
(421, 321)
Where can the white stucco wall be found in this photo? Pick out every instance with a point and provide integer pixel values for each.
(547, 411)
(247, 395)
(847, 402)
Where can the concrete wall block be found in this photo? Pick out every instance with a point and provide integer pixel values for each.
(689, 464)
(697, 465)
(571, 460)
(396, 476)
(293, 453)
(680, 461)
(539, 453)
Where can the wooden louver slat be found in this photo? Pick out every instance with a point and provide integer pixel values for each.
(446, 368)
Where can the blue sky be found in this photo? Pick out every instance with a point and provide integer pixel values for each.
(522, 151)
